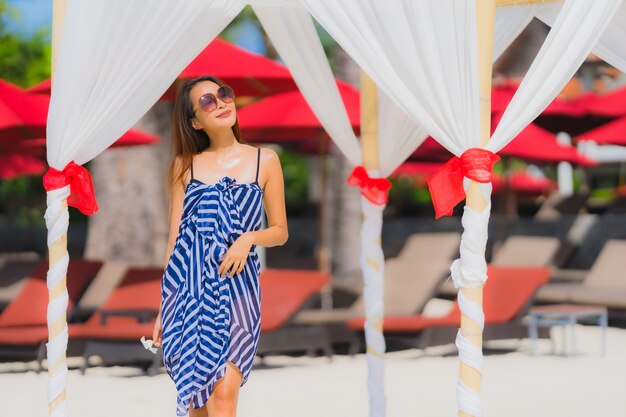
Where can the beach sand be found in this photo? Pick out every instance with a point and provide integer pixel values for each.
(515, 384)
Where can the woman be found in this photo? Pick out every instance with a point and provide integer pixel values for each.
(208, 324)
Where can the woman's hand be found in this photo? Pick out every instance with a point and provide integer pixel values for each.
(156, 332)
(235, 257)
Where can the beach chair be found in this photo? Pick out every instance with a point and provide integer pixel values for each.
(284, 292)
(603, 284)
(517, 251)
(30, 306)
(114, 331)
(15, 267)
(23, 323)
(507, 297)
(411, 279)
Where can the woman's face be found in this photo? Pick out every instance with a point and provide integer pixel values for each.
(224, 116)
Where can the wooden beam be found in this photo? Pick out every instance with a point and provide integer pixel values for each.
(506, 3)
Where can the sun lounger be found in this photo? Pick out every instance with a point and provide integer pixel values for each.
(604, 284)
(30, 306)
(411, 279)
(517, 251)
(507, 298)
(114, 331)
(23, 323)
(14, 269)
(284, 292)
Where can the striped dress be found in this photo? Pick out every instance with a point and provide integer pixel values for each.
(208, 320)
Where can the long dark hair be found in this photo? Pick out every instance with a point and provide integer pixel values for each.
(187, 141)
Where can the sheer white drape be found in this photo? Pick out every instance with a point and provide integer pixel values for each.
(421, 54)
(611, 46)
(426, 62)
(116, 58)
(290, 27)
(577, 28)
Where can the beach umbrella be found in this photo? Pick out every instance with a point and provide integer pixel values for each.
(288, 117)
(249, 74)
(22, 115)
(41, 88)
(12, 166)
(37, 146)
(532, 144)
(611, 133)
(522, 182)
(539, 145)
(612, 104)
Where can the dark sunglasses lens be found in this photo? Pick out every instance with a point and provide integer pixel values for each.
(208, 102)
(226, 93)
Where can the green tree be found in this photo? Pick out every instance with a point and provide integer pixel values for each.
(23, 61)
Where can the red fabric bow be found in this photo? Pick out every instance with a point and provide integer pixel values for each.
(82, 195)
(375, 190)
(446, 185)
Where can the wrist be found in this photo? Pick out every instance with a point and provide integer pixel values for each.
(249, 236)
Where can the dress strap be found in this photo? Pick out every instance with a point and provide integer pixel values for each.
(192, 167)
(258, 158)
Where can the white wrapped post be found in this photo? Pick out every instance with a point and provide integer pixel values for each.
(57, 221)
(373, 265)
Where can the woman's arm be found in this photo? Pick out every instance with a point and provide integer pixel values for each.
(175, 212)
(276, 233)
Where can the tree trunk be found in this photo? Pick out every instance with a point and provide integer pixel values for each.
(345, 221)
(130, 183)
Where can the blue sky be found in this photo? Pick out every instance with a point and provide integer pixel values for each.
(38, 13)
(33, 15)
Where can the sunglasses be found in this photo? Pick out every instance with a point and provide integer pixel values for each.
(208, 101)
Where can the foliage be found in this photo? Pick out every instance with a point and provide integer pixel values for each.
(23, 61)
(296, 178)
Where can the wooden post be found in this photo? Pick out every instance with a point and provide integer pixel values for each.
(372, 258)
(58, 249)
(485, 16)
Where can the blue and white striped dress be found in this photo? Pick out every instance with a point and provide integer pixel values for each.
(208, 320)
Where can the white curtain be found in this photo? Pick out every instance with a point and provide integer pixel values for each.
(418, 53)
(290, 27)
(423, 56)
(400, 134)
(577, 28)
(115, 59)
(426, 62)
(611, 46)
(509, 23)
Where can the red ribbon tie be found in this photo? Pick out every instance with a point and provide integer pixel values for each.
(375, 190)
(82, 195)
(446, 185)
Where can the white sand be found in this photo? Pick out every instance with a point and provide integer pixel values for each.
(514, 385)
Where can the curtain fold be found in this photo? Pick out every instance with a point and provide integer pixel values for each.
(290, 27)
(576, 30)
(115, 60)
(419, 54)
(127, 54)
(611, 46)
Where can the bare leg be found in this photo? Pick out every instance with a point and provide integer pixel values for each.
(223, 399)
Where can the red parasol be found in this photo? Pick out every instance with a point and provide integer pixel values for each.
(611, 133)
(523, 183)
(249, 74)
(37, 146)
(12, 166)
(612, 104)
(22, 115)
(287, 116)
(537, 144)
